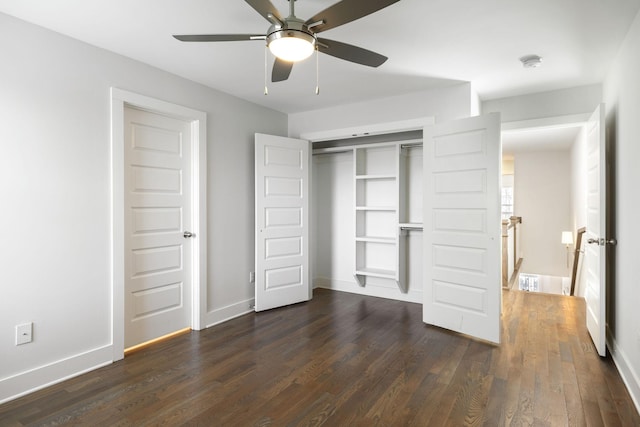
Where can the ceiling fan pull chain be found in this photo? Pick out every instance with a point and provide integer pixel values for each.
(266, 89)
(317, 71)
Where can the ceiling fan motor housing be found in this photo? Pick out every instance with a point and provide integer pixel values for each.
(292, 27)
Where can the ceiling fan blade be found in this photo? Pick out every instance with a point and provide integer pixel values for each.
(351, 53)
(346, 11)
(281, 70)
(264, 7)
(218, 37)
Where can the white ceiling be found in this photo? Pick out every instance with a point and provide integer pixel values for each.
(429, 43)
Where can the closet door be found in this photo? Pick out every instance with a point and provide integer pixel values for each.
(462, 290)
(282, 221)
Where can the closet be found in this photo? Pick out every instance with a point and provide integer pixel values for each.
(367, 206)
(368, 199)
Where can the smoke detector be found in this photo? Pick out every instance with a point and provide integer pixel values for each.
(531, 61)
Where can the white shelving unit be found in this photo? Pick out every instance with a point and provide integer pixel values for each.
(381, 223)
(386, 202)
(376, 212)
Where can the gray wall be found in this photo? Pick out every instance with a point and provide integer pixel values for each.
(55, 191)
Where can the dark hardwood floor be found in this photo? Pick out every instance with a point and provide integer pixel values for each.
(348, 360)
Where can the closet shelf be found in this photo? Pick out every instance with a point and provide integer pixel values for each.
(372, 177)
(376, 239)
(376, 208)
(376, 272)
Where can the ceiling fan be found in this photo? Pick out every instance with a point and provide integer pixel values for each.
(291, 39)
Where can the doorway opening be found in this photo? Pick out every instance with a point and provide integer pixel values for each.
(543, 171)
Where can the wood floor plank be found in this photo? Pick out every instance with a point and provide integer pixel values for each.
(495, 412)
(344, 359)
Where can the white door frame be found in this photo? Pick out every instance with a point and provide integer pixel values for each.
(198, 119)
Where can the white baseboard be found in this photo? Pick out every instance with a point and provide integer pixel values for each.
(630, 378)
(44, 376)
(35, 379)
(229, 312)
(368, 290)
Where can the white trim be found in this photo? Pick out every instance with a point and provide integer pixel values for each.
(198, 119)
(52, 373)
(556, 122)
(345, 148)
(367, 130)
(229, 312)
(630, 378)
(117, 225)
(392, 293)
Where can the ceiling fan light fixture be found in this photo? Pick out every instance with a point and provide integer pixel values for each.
(291, 45)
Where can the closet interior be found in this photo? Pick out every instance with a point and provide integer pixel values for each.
(367, 215)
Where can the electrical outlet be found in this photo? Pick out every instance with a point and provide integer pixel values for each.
(252, 277)
(24, 333)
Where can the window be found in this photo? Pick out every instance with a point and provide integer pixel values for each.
(507, 196)
(507, 202)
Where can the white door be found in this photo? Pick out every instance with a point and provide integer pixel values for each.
(462, 290)
(157, 213)
(282, 221)
(595, 234)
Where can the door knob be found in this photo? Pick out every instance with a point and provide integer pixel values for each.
(603, 242)
(188, 234)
